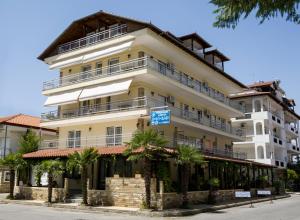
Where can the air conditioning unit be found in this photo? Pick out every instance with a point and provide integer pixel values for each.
(171, 99)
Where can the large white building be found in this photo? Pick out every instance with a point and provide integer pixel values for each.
(271, 125)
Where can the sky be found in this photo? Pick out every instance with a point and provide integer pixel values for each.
(265, 51)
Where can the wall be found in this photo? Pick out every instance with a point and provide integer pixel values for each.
(40, 193)
(124, 192)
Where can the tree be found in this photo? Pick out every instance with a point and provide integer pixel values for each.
(29, 142)
(147, 146)
(14, 162)
(53, 168)
(81, 161)
(186, 156)
(229, 12)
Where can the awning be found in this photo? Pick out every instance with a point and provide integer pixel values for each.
(62, 99)
(107, 52)
(92, 56)
(65, 63)
(105, 90)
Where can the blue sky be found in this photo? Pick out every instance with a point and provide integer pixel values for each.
(258, 52)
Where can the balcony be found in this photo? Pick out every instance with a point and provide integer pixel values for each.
(292, 147)
(143, 63)
(292, 129)
(139, 104)
(92, 39)
(117, 140)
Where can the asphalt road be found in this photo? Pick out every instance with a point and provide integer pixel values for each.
(284, 209)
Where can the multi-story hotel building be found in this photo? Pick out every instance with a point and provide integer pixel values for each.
(114, 71)
(271, 125)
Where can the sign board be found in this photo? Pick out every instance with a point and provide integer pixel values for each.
(243, 194)
(160, 117)
(264, 192)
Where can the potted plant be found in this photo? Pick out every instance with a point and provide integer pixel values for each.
(214, 185)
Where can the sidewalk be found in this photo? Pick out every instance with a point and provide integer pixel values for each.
(195, 209)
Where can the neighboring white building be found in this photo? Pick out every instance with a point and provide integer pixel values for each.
(12, 128)
(271, 125)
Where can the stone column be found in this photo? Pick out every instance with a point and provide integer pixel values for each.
(160, 205)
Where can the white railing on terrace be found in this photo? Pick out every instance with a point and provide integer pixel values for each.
(92, 39)
(121, 139)
(144, 62)
(141, 103)
(291, 128)
(97, 73)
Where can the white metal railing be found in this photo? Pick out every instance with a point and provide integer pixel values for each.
(91, 141)
(144, 62)
(291, 128)
(121, 139)
(92, 39)
(140, 103)
(97, 73)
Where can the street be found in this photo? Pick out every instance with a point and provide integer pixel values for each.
(284, 209)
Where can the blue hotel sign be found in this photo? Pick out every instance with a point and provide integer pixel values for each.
(160, 117)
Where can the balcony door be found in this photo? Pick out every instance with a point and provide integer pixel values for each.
(74, 139)
(113, 65)
(113, 136)
(85, 71)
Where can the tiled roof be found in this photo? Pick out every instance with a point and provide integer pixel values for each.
(50, 153)
(22, 120)
(113, 150)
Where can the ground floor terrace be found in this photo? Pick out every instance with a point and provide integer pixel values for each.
(113, 180)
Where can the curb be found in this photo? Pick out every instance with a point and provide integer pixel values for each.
(149, 213)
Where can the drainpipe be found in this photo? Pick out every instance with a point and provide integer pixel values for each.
(5, 138)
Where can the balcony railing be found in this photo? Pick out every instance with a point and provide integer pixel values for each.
(291, 128)
(141, 103)
(92, 39)
(135, 64)
(115, 140)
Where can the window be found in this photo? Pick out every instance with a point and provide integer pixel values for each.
(186, 110)
(113, 65)
(162, 99)
(259, 128)
(141, 94)
(6, 176)
(108, 104)
(260, 152)
(257, 106)
(99, 68)
(85, 106)
(85, 71)
(114, 30)
(141, 55)
(74, 138)
(113, 136)
(97, 104)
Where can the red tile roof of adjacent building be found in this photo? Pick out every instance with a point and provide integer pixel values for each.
(23, 120)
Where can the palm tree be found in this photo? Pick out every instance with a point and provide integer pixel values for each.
(187, 155)
(147, 145)
(53, 168)
(14, 162)
(81, 161)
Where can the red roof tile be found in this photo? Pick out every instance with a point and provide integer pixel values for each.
(259, 84)
(22, 120)
(49, 153)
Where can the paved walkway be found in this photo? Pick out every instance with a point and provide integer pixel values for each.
(136, 211)
(284, 209)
